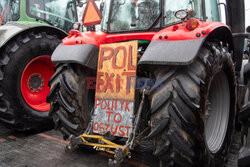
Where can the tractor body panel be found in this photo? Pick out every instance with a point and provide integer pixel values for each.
(83, 48)
(170, 44)
(10, 30)
(98, 38)
(176, 45)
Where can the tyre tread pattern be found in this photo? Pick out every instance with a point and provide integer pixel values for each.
(67, 107)
(17, 120)
(178, 142)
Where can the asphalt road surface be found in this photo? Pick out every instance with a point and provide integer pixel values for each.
(46, 149)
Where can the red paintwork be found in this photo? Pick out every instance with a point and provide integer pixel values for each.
(98, 38)
(94, 38)
(179, 32)
(39, 65)
(173, 33)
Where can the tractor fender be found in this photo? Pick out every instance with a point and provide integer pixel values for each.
(84, 54)
(12, 29)
(176, 45)
(80, 48)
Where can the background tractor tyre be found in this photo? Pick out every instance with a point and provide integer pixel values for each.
(25, 69)
(69, 98)
(193, 110)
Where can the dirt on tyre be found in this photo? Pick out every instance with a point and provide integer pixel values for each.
(193, 110)
(25, 69)
(70, 99)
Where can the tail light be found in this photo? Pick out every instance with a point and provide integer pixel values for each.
(192, 24)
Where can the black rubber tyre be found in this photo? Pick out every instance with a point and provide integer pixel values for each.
(69, 98)
(179, 107)
(233, 153)
(14, 111)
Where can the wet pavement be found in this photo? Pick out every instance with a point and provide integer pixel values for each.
(46, 149)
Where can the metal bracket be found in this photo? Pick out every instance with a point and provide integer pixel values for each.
(131, 139)
(108, 146)
(101, 144)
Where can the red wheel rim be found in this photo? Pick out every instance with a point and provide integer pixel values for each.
(34, 82)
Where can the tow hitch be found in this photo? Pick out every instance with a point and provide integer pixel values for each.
(119, 151)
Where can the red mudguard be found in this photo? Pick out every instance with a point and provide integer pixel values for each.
(172, 45)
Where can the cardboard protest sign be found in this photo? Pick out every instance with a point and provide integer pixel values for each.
(115, 89)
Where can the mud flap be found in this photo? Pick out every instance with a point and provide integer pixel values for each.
(171, 52)
(85, 54)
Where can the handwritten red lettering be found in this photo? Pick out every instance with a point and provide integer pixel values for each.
(109, 114)
(101, 127)
(118, 83)
(108, 84)
(96, 126)
(96, 102)
(127, 127)
(122, 103)
(102, 58)
(130, 59)
(112, 130)
(121, 132)
(129, 75)
(119, 116)
(115, 57)
(127, 105)
(107, 126)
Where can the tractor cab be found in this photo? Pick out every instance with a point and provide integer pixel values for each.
(148, 15)
(61, 14)
(145, 15)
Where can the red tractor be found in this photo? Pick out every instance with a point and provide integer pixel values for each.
(186, 66)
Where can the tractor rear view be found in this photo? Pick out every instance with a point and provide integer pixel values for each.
(168, 79)
(29, 32)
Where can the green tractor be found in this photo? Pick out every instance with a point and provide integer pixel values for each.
(30, 31)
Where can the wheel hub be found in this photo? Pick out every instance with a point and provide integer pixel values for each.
(217, 112)
(35, 82)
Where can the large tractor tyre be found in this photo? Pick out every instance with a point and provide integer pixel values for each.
(69, 98)
(25, 69)
(193, 110)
